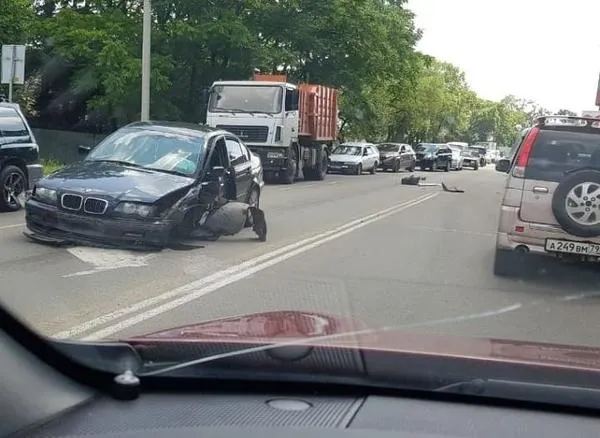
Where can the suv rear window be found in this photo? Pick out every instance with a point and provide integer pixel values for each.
(11, 124)
(558, 152)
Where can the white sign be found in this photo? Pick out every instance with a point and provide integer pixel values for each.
(13, 61)
(592, 114)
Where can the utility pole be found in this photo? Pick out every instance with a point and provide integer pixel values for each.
(146, 38)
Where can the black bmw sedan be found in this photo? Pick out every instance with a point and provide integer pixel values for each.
(139, 184)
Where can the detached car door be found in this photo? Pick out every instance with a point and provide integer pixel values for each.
(242, 167)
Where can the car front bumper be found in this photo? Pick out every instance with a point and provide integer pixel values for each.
(53, 225)
(342, 167)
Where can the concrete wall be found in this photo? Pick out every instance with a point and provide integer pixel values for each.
(63, 145)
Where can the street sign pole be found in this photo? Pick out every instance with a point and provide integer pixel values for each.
(12, 73)
(13, 66)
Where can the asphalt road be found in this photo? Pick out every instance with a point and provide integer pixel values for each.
(366, 247)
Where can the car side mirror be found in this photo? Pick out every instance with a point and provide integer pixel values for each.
(503, 165)
(84, 150)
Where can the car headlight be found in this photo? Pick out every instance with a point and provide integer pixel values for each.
(134, 209)
(42, 194)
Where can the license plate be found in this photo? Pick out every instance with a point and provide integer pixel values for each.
(572, 247)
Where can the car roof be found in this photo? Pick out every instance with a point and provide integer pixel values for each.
(192, 129)
(356, 143)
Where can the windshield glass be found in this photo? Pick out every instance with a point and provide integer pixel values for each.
(347, 150)
(155, 150)
(194, 178)
(426, 148)
(247, 98)
(388, 147)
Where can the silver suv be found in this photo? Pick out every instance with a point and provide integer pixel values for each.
(551, 203)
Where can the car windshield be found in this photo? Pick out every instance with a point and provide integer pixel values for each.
(426, 148)
(151, 149)
(246, 98)
(388, 147)
(197, 178)
(347, 150)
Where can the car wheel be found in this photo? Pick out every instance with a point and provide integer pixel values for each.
(396, 167)
(374, 169)
(447, 168)
(476, 166)
(411, 168)
(359, 169)
(434, 167)
(14, 185)
(576, 203)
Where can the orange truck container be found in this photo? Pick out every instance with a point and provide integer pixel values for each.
(318, 108)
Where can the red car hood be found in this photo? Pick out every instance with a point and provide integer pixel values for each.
(319, 329)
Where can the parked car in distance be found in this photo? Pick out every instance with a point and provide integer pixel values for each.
(551, 203)
(457, 158)
(434, 156)
(19, 157)
(471, 158)
(142, 184)
(396, 157)
(354, 158)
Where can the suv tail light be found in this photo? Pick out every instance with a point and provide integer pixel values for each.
(525, 152)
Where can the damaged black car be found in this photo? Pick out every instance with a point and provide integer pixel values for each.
(150, 184)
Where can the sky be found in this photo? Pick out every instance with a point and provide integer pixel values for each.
(547, 51)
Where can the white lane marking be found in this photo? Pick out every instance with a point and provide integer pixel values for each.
(246, 266)
(198, 293)
(580, 296)
(106, 259)
(435, 322)
(6, 227)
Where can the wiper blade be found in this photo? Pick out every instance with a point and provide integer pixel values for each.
(575, 396)
(171, 172)
(124, 163)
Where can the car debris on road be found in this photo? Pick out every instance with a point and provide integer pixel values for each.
(415, 180)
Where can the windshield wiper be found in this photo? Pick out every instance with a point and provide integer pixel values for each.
(527, 391)
(171, 172)
(124, 163)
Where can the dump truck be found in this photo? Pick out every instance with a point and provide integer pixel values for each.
(291, 127)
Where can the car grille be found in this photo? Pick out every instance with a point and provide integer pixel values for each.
(248, 133)
(71, 202)
(95, 206)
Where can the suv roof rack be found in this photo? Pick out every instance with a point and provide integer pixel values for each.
(584, 122)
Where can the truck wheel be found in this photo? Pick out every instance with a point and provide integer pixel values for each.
(317, 173)
(13, 183)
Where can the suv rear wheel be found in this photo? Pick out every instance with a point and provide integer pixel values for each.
(576, 203)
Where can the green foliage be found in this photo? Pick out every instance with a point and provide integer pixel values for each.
(88, 53)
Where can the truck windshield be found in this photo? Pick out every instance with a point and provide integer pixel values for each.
(246, 99)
